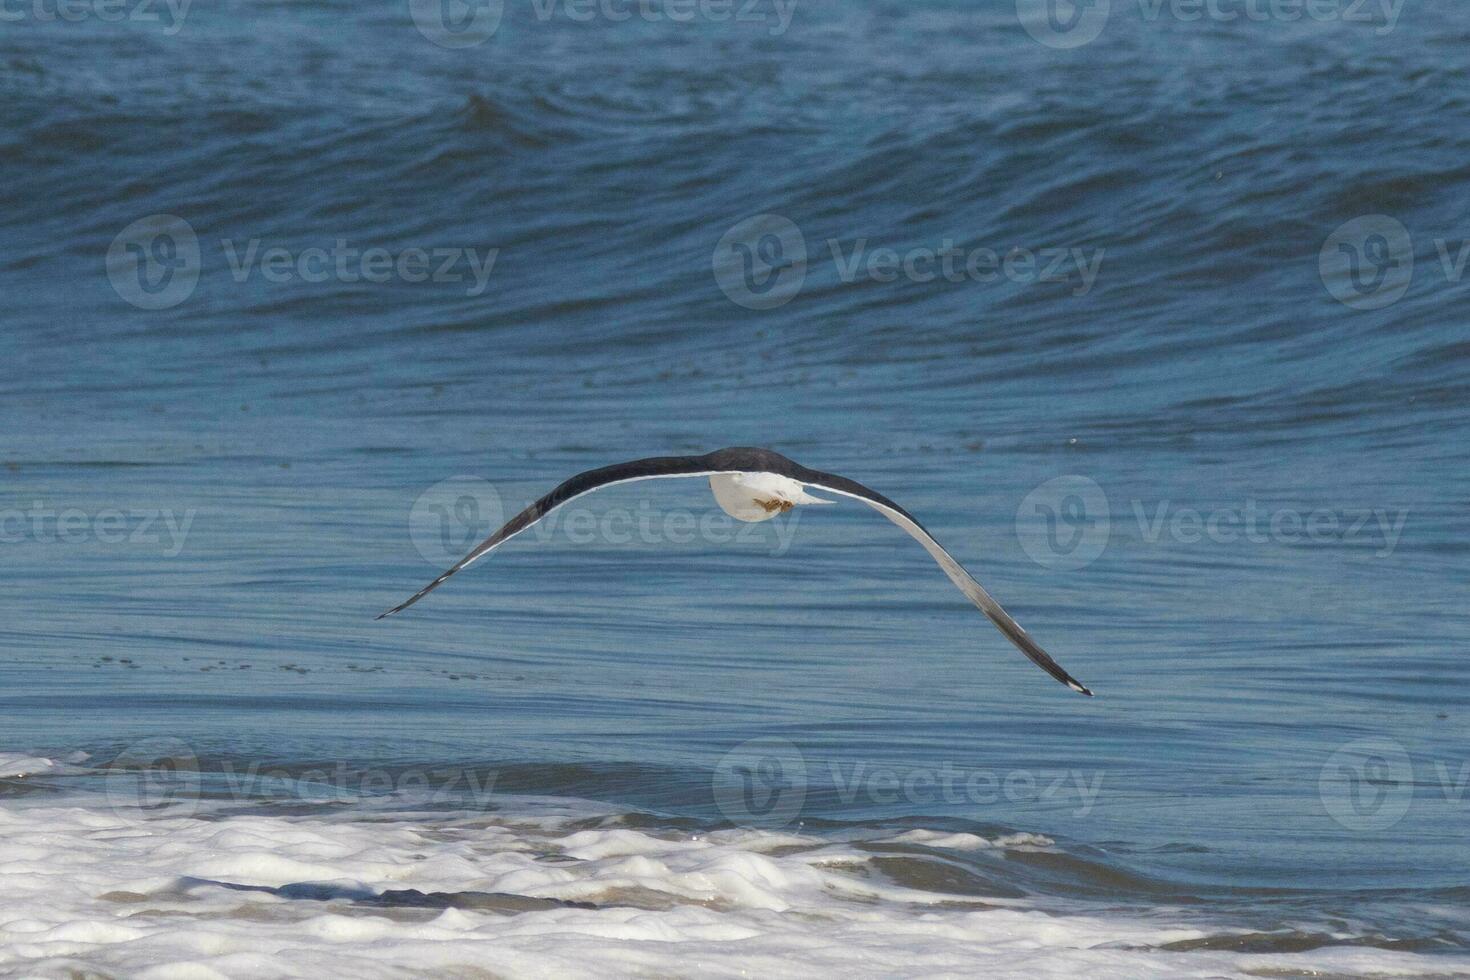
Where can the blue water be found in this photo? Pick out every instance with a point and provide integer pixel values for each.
(1209, 368)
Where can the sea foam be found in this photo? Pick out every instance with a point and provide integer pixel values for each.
(209, 893)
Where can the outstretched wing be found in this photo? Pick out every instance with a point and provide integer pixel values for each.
(745, 460)
(638, 469)
(966, 583)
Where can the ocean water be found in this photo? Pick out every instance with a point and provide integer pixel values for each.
(1156, 320)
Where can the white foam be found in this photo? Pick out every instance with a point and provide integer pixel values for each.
(969, 842)
(129, 892)
(14, 764)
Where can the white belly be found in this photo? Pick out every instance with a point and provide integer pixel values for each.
(757, 496)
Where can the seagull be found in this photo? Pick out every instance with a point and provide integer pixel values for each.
(755, 485)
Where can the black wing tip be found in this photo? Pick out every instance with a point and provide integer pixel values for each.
(396, 609)
(1080, 689)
